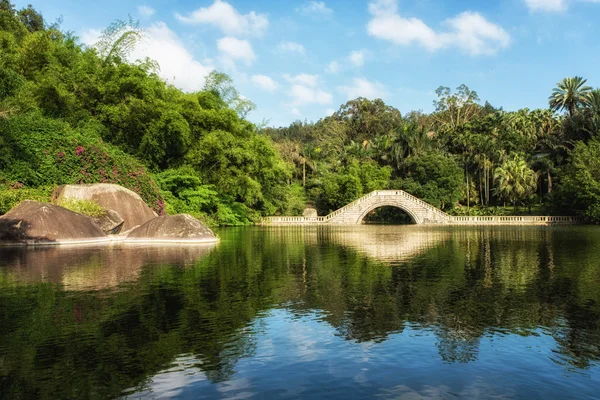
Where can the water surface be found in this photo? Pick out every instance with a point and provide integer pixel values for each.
(390, 312)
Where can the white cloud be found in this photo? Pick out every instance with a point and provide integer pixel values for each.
(357, 57)
(291, 47)
(234, 49)
(333, 67)
(546, 5)
(296, 112)
(555, 6)
(314, 8)
(223, 16)
(91, 36)
(329, 111)
(304, 90)
(363, 88)
(303, 79)
(469, 31)
(177, 64)
(264, 82)
(302, 95)
(146, 11)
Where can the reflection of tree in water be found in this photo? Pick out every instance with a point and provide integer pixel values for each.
(95, 344)
(457, 344)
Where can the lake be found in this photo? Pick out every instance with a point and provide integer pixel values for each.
(387, 312)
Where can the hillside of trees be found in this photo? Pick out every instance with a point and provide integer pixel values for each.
(465, 158)
(71, 113)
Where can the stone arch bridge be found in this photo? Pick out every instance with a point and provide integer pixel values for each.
(420, 211)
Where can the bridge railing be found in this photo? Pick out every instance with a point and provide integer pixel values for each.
(293, 220)
(414, 199)
(350, 205)
(524, 219)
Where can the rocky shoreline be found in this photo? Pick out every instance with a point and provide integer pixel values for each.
(33, 223)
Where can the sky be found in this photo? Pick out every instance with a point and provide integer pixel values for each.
(301, 60)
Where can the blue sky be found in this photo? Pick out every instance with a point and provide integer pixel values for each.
(303, 59)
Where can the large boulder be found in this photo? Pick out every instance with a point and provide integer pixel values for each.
(32, 222)
(128, 204)
(173, 228)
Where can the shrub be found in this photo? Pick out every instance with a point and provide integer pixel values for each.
(39, 151)
(10, 197)
(85, 207)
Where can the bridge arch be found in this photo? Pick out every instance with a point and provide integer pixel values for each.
(390, 203)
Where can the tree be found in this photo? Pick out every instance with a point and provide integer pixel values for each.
(365, 119)
(515, 180)
(454, 109)
(222, 85)
(569, 94)
(580, 188)
(32, 19)
(119, 39)
(434, 177)
(6, 5)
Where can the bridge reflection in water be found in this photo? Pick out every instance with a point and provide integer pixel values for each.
(381, 242)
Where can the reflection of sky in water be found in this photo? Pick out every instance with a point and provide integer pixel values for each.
(304, 357)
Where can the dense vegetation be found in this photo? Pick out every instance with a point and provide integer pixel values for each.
(72, 114)
(465, 158)
(76, 114)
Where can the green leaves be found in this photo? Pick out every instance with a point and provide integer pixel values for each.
(515, 180)
(569, 94)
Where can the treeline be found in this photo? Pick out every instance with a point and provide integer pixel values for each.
(76, 114)
(465, 157)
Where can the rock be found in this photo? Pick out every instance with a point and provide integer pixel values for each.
(128, 204)
(310, 212)
(32, 222)
(175, 228)
(111, 222)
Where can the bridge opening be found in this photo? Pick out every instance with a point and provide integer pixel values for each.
(388, 215)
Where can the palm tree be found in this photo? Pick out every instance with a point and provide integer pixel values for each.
(515, 180)
(569, 94)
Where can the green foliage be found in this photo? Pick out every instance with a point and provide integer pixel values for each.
(222, 85)
(515, 181)
(119, 39)
(85, 207)
(338, 188)
(569, 94)
(12, 196)
(43, 152)
(580, 188)
(433, 177)
(32, 19)
(73, 114)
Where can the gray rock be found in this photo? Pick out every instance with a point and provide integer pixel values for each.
(128, 204)
(111, 222)
(32, 222)
(175, 228)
